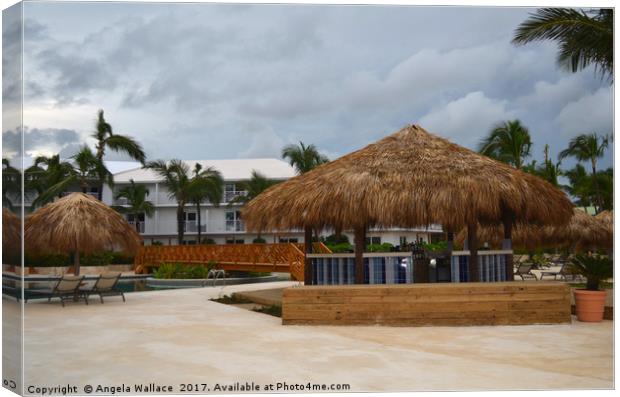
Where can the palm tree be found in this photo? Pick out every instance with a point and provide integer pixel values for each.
(548, 171)
(177, 180)
(118, 143)
(584, 37)
(206, 185)
(136, 200)
(257, 184)
(580, 186)
(11, 184)
(588, 147)
(85, 171)
(508, 142)
(45, 173)
(303, 158)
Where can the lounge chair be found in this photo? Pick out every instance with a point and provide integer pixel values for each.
(67, 288)
(525, 271)
(105, 285)
(565, 273)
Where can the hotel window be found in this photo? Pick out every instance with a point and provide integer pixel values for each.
(131, 219)
(189, 223)
(233, 221)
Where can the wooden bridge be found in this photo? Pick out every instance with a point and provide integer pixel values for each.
(285, 257)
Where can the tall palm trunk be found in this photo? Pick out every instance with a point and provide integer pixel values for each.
(180, 223)
(100, 153)
(199, 221)
(599, 201)
(136, 221)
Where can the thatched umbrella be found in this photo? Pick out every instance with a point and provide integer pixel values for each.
(582, 232)
(11, 233)
(606, 216)
(79, 223)
(408, 179)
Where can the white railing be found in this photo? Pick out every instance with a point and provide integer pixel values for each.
(192, 227)
(231, 195)
(235, 226)
(140, 226)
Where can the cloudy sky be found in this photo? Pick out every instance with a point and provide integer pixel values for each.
(200, 81)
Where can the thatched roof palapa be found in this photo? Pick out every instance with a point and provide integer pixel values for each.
(410, 178)
(11, 232)
(583, 232)
(79, 222)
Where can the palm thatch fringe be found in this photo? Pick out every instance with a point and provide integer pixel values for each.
(79, 223)
(11, 232)
(410, 178)
(583, 232)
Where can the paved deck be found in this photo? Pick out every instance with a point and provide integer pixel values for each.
(172, 337)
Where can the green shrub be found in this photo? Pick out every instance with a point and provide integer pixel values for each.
(595, 268)
(208, 241)
(338, 248)
(167, 270)
(385, 247)
(439, 246)
(178, 271)
(157, 243)
(333, 239)
(259, 240)
(95, 259)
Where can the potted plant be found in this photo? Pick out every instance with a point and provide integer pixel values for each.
(590, 302)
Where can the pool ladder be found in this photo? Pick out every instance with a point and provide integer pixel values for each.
(214, 274)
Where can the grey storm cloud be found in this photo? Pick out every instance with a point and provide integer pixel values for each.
(241, 81)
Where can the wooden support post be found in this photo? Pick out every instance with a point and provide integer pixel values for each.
(507, 245)
(308, 249)
(360, 244)
(450, 238)
(472, 243)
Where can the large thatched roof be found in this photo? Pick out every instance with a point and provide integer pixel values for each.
(79, 221)
(410, 178)
(11, 231)
(582, 232)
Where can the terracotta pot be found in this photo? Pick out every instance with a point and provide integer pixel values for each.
(590, 305)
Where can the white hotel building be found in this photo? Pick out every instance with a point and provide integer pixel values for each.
(223, 223)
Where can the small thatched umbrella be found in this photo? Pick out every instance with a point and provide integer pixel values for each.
(606, 216)
(408, 179)
(79, 223)
(581, 233)
(11, 234)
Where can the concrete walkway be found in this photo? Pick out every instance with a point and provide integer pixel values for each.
(179, 336)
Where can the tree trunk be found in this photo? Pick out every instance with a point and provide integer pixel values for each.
(76, 262)
(472, 243)
(180, 224)
(136, 220)
(360, 243)
(599, 201)
(507, 245)
(308, 273)
(199, 222)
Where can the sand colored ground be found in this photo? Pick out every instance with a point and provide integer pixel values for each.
(179, 336)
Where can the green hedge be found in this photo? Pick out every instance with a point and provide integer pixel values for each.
(177, 270)
(96, 259)
(385, 247)
(339, 248)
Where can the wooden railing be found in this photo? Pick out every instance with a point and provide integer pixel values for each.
(285, 258)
